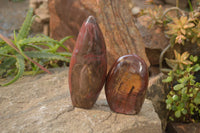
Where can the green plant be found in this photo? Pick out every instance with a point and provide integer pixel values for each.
(159, 16)
(25, 54)
(155, 15)
(182, 29)
(183, 100)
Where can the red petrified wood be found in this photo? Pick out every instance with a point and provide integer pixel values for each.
(88, 66)
(126, 84)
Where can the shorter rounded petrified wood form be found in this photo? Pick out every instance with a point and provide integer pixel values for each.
(126, 84)
(88, 65)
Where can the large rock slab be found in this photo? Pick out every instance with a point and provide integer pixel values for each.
(66, 18)
(42, 104)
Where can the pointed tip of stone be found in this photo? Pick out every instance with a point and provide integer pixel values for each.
(91, 19)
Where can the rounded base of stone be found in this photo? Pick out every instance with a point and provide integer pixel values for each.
(126, 113)
(83, 107)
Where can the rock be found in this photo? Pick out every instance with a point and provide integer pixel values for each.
(42, 104)
(88, 65)
(118, 27)
(182, 3)
(183, 128)
(119, 39)
(43, 13)
(153, 55)
(126, 84)
(135, 10)
(157, 93)
(154, 71)
(41, 23)
(66, 18)
(154, 38)
(90, 5)
(147, 3)
(193, 49)
(36, 3)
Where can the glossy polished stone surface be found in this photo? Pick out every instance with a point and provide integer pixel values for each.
(126, 84)
(88, 66)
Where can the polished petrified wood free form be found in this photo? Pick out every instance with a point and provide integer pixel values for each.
(126, 84)
(88, 66)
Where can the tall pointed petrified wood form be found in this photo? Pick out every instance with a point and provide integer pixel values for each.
(126, 84)
(88, 66)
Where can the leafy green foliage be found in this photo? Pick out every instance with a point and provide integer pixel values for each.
(184, 96)
(20, 66)
(25, 54)
(181, 28)
(24, 30)
(46, 55)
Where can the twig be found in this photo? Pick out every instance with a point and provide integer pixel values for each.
(171, 9)
(161, 56)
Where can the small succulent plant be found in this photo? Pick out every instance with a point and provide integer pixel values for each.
(183, 100)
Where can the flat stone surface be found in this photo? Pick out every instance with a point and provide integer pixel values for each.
(42, 104)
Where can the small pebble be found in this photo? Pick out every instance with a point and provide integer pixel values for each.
(135, 10)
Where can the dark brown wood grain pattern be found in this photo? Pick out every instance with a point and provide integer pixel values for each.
(126, 84)
(121, 35)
